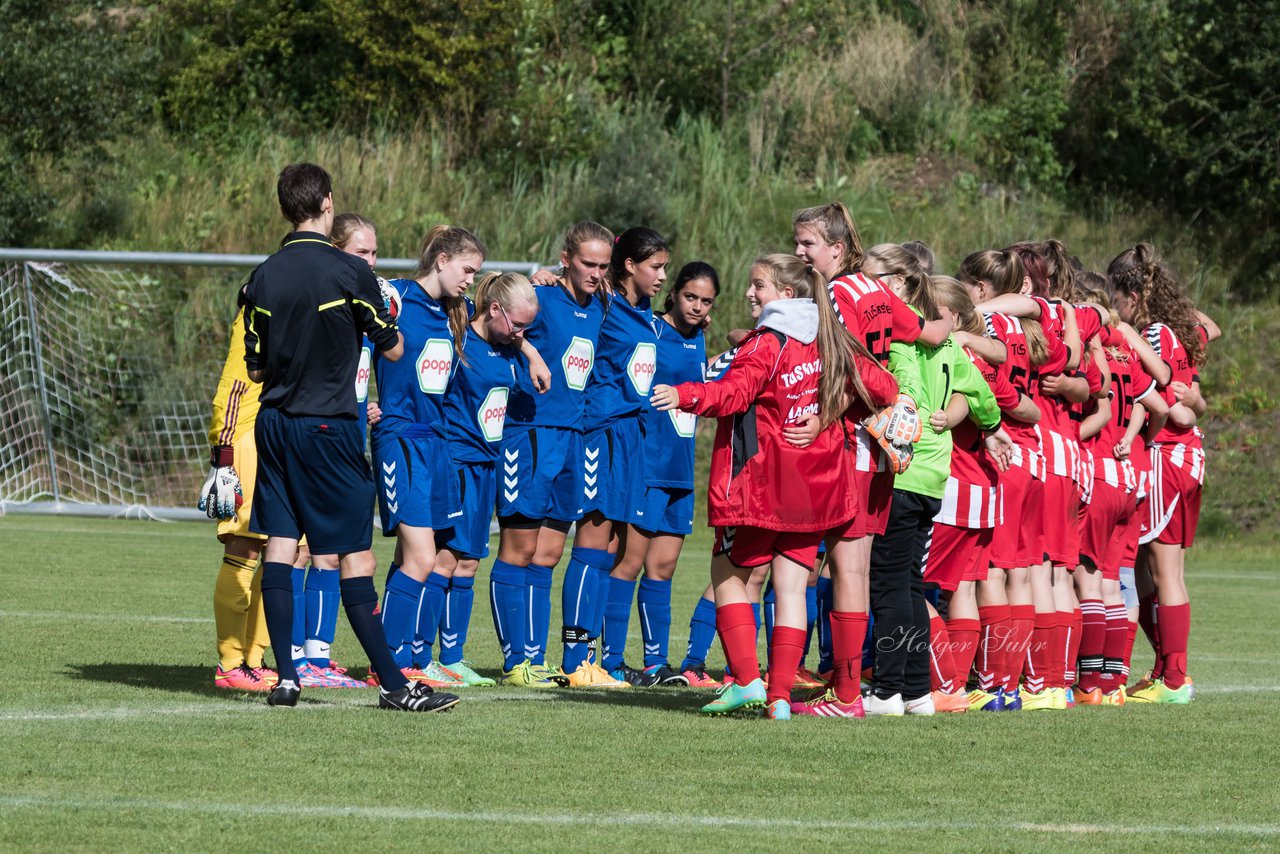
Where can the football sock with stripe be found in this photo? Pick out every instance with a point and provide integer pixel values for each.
(256, 636)
(653, 601)
(507, 600)
(942, 666)
(964, 646)
(537, 612)
(1113, 647)
(1022, 620)
(399, 614)
(430, 614)
(232, 593)
(457, 617)
(359, 600)
(1175, 631)
(578, 602)
(810, 617)
(767, 604)
(617, 617)
(1075, 625)
(1148, 620)
(991, 655)
(1093, 639)
(298, 647)
(702, 632)
(323, 598)
(823, 591)
(277, 601)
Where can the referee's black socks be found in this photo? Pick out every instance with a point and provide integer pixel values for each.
(277, 603)
(359, 598)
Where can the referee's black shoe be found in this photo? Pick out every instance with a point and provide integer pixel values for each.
(284, 694)
(416, 697)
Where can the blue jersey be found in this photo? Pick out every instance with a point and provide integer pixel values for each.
(475, 406)
(565, 334)
(411, 391)
(626, 357)
(669, 435)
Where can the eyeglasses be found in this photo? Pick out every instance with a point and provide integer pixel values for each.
(512, 329)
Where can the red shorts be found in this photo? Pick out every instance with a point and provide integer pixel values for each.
(750, 547)
(1106, 529)
(1132, 532)
(957, 554)
(1017, 541)
(1173, 505)
(875, 494)
(1061, 520)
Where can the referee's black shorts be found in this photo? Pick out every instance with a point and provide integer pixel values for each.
(313, 479)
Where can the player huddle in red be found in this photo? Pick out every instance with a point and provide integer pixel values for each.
(1004, 467)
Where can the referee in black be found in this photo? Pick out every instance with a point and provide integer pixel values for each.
(306, 308)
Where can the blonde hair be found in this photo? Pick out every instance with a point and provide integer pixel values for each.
(955, 297)
(508, 290)
(899, 262)
(1058, 269)
(837, 348)
(834, 224)
(345, 226)
(450, 241)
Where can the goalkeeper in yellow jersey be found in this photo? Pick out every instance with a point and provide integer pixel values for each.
(227, 495)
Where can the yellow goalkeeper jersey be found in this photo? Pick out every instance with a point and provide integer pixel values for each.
(235, 404)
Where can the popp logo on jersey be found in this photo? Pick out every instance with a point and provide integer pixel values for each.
(578, 359)
(641, 367)
(362, 374)
(434, 364)
(684, 422)
(493, 414)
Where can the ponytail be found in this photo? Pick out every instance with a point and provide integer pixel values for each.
(834, 224)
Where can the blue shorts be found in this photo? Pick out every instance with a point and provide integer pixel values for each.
(541, 476)
(668, 511)
(613, 472)
(416, 483)
(313, 479)
(478, 488)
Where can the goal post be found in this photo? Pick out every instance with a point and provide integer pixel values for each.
(108, 362)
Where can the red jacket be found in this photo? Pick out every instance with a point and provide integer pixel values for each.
(757, 478)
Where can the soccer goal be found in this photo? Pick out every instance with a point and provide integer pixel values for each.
(108, 364)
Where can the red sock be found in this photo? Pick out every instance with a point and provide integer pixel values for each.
(964, 646)
(1148, 619)
(1041, 658)
(848, 633)
(1130, 635)
(785, 652)
(1175, 630)
(1022, 620)
(1061, 632)
(941, 664)
(737, 627)
(1113, 647)
(1093, 638)
(1075, 624)
(996, 630)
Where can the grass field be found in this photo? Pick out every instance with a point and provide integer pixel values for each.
(116, 739)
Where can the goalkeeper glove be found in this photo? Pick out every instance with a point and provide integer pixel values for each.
(898, 456)
(390, 298)
(221, 495)
(898, 424)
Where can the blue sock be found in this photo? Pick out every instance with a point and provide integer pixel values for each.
(826, 658)
(298, 636)
(578, 601)
(399, 613)
(277, 602)
(457, 616)
(537, 612)
(432, 607)
(810, 618)
(392, 569)
(358, 599)
(768, 608)
(654, 604)
(599, 575)
(507, 603)
(868, 646)
(322, 614)
(617, 617)
(702, 632)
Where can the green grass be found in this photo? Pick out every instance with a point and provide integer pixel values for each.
(116, 739)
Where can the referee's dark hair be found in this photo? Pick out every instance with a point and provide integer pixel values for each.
(302, 188)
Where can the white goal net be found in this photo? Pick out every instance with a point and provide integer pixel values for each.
(108, 362)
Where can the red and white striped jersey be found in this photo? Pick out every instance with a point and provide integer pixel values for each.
(972, 495)
(1183, 456)
(1019, 374)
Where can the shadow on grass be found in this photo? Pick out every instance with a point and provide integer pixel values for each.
(179, 678)
(669, 699)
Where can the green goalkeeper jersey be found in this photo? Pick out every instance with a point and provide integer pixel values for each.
(938, 373)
